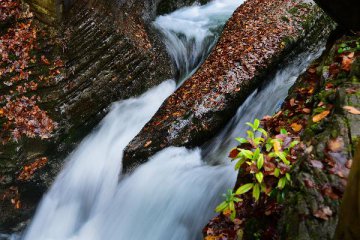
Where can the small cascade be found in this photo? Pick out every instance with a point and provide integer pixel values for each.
(191, 32)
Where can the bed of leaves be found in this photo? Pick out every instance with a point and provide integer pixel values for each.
(24, 67)
(309, 106)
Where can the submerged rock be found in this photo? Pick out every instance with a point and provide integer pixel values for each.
(258, 36)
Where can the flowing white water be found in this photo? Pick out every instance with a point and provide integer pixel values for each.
(170, 197)
(87, 202)
(191, 32)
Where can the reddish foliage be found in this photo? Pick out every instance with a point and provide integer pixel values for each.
(19, 45)
(30, 169)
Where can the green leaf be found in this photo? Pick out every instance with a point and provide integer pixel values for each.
(282, 156)
(221, 207)
(340, 50)
(260, 161)
(256, 124)
(283, 131)
(241, 140)
(250, 134)
(259, 176)
(281, 183)
(256, 192)
(261, 130)
(276, 172)
(268, 147)
(293, 144)
(247, 153)
(233, 211)
(250, 125)
(256, 154)
(239, 163)
(244, 188)
(237, 199)
(288, 177)
(272, 154)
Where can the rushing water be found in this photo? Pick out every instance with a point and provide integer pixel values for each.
(173, 195)
(191, 32)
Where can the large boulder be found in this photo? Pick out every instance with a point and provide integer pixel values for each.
(110, 52)
(256, 38)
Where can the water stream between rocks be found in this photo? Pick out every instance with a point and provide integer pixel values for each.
(174, 194)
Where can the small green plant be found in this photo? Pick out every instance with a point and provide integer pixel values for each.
(265, 161)
(228, 206)
(351, 46)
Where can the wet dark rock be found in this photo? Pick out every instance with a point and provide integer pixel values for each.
(111, 52)
(311, 209)
(345, 12)
(245, 53)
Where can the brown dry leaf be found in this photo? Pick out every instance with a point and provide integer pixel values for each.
(336, 145)
(352, 110)
(292, 102)
(347, 62)
(323, 213)
(306, 110)
(348, 164)
(147, 143)
(320, 116)
(296, 127)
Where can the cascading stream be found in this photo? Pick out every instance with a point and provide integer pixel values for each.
(173, 195)
(191, 32)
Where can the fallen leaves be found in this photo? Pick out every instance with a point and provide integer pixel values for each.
(320, 116)
(352, 110)
(323, 213)
(296, 127)
(30, 169)
(347, 61)
(336, 145)
(19, 44)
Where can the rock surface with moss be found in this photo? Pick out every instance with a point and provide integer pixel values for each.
(322, 109)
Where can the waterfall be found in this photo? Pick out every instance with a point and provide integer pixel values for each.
(191, 32)
(173, 195)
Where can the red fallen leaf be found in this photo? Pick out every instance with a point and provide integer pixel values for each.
(317, 164)
(348, 164)
(328, 191)
(269, 166)
(347, 62)
(309, 183)
(45, 60)
(321, 104)
(234, 153)
(312, 70)
(292, 102)
(323, 213)
(352, 110)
